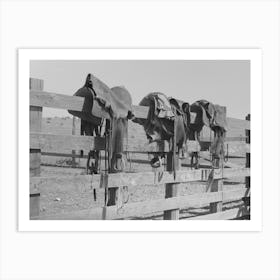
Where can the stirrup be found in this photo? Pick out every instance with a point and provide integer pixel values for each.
(156, 162)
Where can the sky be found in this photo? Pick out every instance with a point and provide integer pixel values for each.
(223, 82)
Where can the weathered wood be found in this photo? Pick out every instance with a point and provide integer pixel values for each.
(75, 103)
(248, 164)
(86, 182)
(236, 194)
(73, 133)
(36, 84)
(232, 173)
(115, 193)
(69, 102)
(55, 142)
(247, 130)
(34, 204)
(55, 100)
(216, 185)
(171, 189)
(35, 124)
(138, 209)
(35, 114)
(194, 146)
(34, 162)
(248, 155)
(224, 215)
(155, 147)
(140, 112)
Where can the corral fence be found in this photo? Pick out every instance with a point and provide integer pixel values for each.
(170, 205)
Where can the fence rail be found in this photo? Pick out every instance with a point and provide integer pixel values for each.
(42, 143)
(59, 101)
(153, 206)
(54, 142)
(64, 183)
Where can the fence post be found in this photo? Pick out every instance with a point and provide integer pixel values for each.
(171, 189)
(216, 185)
(74, 133)
(248, 162)
(248, 155)
(35, 121)
(115, 193)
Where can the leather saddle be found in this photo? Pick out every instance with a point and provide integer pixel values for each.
(213, 116)
(167, 118)
(204, 112)
(117, 103)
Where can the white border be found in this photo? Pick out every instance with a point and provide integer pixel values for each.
(254, 55)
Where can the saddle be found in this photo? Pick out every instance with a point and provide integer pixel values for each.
(206, 113)
(203, 113)
(117, 103)
(89, 100)
(165, 119)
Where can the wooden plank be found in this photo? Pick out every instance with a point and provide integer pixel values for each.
(35, 115)
(34, 162)
(248, 163)
(85, 182)
(145, 147)
(138, 209)
(216, 186)
(73, 133)
(232, 172)
(118, 179)
(36, 84)
(55, 142)
(69, 102)
(171, 189)
(194, 146)
(140, 112)
(224, 215)
(75, 103)
(35, 124)
(236, 194)
(247, 130)
(56, 100)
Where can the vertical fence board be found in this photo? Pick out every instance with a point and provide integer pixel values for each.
(74, 133)
(115, 194)
(248, 155)
(248, 164)
(35, 122)
(171, 190)
(216, 185)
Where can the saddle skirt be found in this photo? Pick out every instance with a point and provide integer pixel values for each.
(219, 119)
(165, 118)
(86, 113)
(206, 113)
(159, 122)
(116, 101)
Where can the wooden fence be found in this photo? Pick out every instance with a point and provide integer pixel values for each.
(170, 205)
